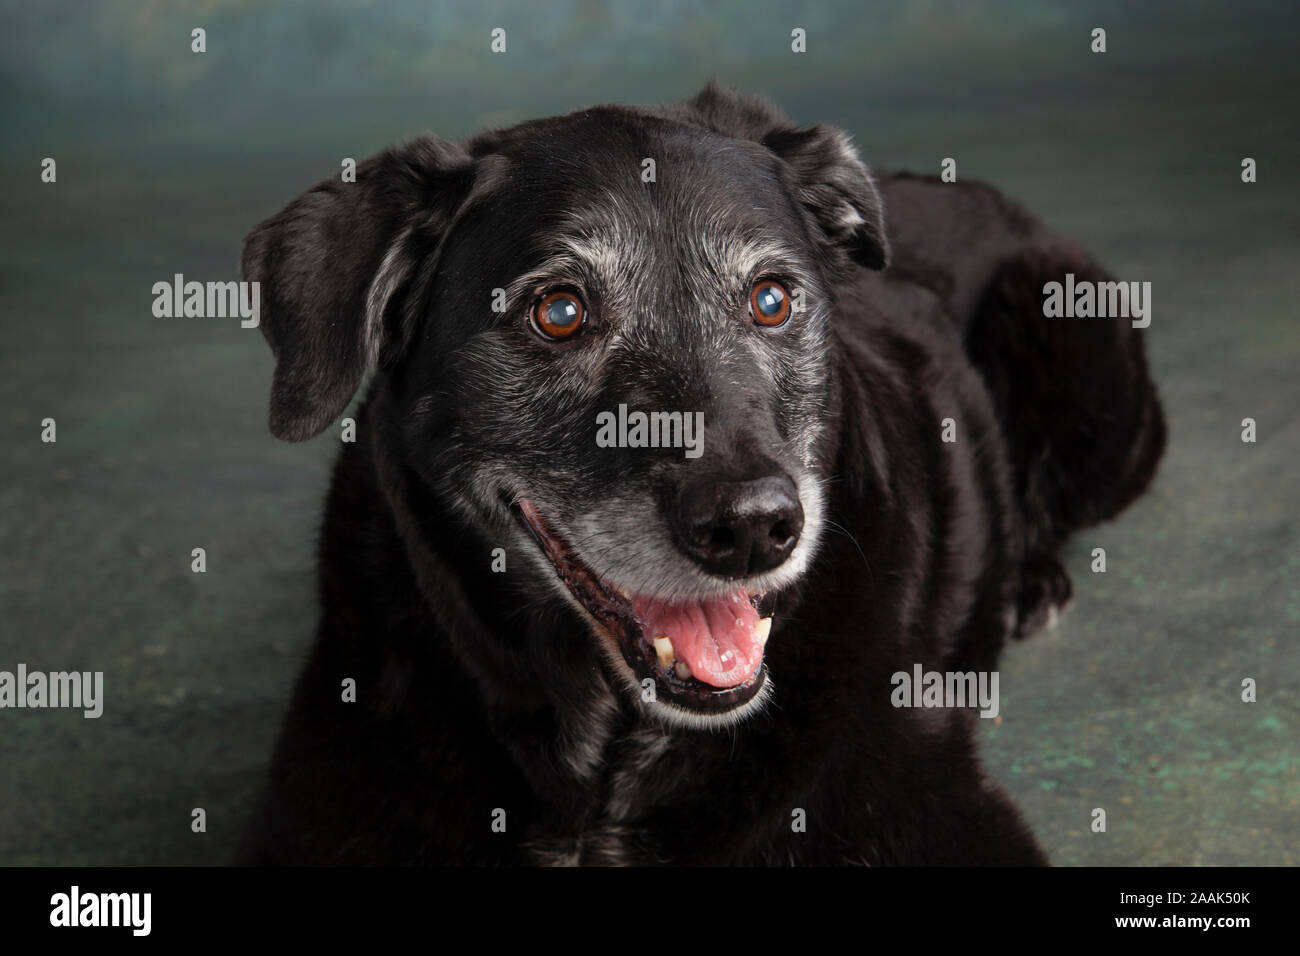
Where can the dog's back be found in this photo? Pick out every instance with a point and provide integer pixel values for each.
(1076, 408)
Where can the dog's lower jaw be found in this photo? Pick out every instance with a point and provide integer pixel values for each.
(645, 696)
(672, 716)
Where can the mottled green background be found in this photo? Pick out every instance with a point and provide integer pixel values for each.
(166, 158)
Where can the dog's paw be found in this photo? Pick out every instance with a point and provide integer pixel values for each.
(1045, 593)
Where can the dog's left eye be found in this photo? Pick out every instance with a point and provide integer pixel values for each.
(559, 315)
(769, 303)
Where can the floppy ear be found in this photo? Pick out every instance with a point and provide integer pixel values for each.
(335, 267)
(826, 174)
(834, 185)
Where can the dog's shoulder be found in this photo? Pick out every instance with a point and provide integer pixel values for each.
(952, 237)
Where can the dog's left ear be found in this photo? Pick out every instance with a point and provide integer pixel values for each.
(834, 185)
(335, 268)
(827, 176)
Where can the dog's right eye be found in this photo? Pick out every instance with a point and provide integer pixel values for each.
(559, 315)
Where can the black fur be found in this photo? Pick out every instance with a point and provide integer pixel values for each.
(479, 691)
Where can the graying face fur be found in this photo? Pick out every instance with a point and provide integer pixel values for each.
(666, 270)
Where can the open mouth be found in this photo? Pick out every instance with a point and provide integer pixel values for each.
(705, 655)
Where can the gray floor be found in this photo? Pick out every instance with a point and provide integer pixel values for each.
(1133, 705)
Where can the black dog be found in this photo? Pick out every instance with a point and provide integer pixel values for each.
(639, 405)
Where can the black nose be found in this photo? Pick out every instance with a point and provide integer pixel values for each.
(739, 527)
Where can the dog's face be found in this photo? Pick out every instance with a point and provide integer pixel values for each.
(609, 334)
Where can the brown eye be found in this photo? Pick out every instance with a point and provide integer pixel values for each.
(559, 315)
(769, 303)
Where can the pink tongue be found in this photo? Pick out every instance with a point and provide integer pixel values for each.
(715, 637)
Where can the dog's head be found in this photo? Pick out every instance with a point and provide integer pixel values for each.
(608, 333)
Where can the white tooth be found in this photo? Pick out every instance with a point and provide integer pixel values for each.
(761, 629)
(622, 591)
(664, 648)
(683, 670)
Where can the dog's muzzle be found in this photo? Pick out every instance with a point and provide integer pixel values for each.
(703, 654)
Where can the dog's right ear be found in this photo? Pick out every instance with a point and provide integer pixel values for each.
(335, 267)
